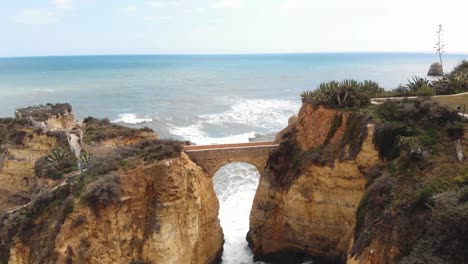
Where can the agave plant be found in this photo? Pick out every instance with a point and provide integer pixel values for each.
(371, 88)
(347, 93)
(462, 67)
(416, 83)
(86, 157)
(58, 154)
(450, 83)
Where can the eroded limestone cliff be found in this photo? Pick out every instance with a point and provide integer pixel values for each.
(307, 198)
(383, 184)
(138, 200)
(167, 213)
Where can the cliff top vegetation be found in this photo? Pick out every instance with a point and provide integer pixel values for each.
(97, 130)
(345, 94)
(43, 112)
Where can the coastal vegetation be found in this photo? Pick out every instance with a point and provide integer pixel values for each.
(418, 194)
(42, 113)
(345, 94)
(416, 198)
(97, 130)
(453, 82)
(13, 131)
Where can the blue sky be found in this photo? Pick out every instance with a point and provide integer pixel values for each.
(82, 27)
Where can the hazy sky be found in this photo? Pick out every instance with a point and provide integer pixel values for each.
(65, 27)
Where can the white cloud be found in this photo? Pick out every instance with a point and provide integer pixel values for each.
(62, 4)
(229, 4)
(36, 16)
(159, 4)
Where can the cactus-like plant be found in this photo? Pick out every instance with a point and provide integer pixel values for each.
(86, 157)
(58, 154)
(417, 83)
(344, 94)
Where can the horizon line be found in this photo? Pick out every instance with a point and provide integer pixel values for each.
(233, 54)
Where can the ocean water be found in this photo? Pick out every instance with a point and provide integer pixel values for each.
(202, 98)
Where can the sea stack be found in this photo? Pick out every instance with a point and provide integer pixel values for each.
(435, 70)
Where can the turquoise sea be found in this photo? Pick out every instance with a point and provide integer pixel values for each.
(204, 98)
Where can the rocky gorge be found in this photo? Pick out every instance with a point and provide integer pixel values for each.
(341, 187)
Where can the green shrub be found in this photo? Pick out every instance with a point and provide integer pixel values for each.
(12, 131)
(462, 67)
(103, 192)
(55, 168)
(386, 140)
(416, 84)
(429, 137)
(374, 201)
(153, 150)
(425, 91)
(425, 196)
(344, 94)
(59, 154)
(43, 112)
(60, 137)
(453, 82)
(444, 238)
(416, 112)
(97, 130)
(455, 130)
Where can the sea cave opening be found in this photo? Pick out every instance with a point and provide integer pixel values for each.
(235, 185)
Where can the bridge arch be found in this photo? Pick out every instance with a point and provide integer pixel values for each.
(212, 157)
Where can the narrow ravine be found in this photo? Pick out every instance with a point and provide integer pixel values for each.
(235, 185)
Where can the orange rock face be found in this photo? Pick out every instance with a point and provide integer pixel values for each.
(168, 213)
(315, 213)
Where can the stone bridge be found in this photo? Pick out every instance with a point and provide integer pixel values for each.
(213, 157)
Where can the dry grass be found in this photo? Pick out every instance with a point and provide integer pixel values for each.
(453, 101)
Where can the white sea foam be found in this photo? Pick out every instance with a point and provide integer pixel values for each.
(235, 186)
(262, 114)
(131, 119)
(195, 134)
(268, 114)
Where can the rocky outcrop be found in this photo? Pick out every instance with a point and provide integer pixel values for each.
(150, 202)
(17, 168)
(167, 213)
(49, 117)
(435, 70)
(307, 198)
(31, 135)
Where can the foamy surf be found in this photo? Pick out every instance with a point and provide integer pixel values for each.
(262, 116)
(272, 114)
(194, 133)
(235, 185)
(131, 119)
